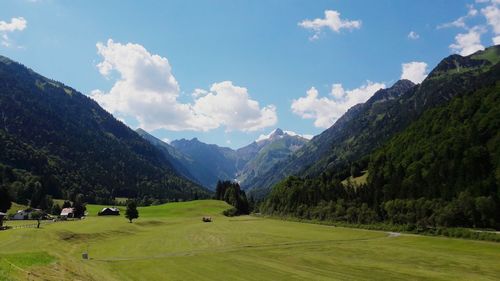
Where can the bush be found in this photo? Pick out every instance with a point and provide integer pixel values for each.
(231, 212)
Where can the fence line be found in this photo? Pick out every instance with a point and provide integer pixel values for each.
(31, 225)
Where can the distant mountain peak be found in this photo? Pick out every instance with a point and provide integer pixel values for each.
(277, 132)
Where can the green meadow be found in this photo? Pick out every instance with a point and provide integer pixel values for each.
(170, 242)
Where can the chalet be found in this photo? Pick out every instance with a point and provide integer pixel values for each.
(67, 213)
(109, 211)
(26, 214)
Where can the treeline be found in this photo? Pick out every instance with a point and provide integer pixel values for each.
(442, 171)
(231, 193)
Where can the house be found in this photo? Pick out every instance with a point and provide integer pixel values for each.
(26, 214)
(113, 211)
(67, 213)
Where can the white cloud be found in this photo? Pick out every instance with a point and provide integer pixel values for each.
(325, 111)
(468, 43)
(413, 35)
(332, 21)
(231, 106)
(414, 71)
(492, 15)
(147, 90)
(460, 22)
(15, 24)
(166, 140)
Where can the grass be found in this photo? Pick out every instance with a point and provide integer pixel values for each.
(15, 207)
(357, 181)
(169, 242)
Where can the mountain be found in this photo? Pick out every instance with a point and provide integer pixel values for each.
(367, 126)
(439, 168)
(357, 132)
(71, 146)
(179, 161)
(209, 163)
(265, 153)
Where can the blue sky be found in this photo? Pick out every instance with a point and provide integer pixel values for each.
(257, 65)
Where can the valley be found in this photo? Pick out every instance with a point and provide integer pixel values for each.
(171, 242)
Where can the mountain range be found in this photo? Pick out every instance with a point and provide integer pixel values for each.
(209, 163)
(58, 142)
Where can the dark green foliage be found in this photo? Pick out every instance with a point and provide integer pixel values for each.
(56, 210)
(131, 213)
(443, 170)
(79, 206)
(5, 199)
(231, 193)
(66, 204)
(71, 146)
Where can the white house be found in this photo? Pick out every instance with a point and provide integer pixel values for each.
(67, 212)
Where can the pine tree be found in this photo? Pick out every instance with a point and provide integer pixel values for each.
(131, 212)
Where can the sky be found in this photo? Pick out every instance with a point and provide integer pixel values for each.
(229, 72)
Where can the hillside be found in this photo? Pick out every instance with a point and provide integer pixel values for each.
(441, 170)
(70, 145)
(210, 162)
(179, 161)
(265, 153)
(367, 126)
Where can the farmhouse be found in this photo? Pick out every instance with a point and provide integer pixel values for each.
(113, 211)
(26, 214)
(67, 213)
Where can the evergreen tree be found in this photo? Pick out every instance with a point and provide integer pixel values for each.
(131, 213)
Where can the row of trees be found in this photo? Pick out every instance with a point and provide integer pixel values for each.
(231, 192)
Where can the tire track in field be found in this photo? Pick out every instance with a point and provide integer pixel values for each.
(238, 248)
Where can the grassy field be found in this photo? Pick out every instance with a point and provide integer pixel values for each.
(169, 242)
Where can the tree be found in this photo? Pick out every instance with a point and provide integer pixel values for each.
(131, 212)
(79, 206)
(56, 210)
(66, 204)
(5, 202)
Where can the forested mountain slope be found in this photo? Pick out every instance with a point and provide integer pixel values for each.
(367, 126)
(441, 170)
(71, 146)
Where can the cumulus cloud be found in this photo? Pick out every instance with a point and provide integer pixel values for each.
(146, 90)
(414, 71)
(231, 106)
(492, 15)
(326, 110)
(332, 20)
(413, 35)
(460, 22)
(468, 43)
(15, 24)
